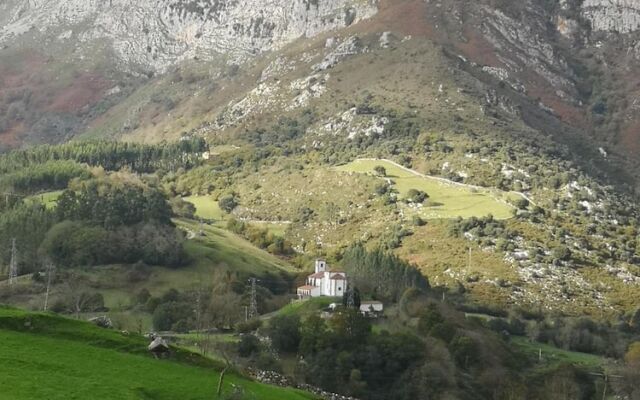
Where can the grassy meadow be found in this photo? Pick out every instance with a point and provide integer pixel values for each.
(446, 199)
(54, 358)
(206, 207)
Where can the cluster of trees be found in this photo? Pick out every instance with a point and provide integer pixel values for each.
(112, 156)
(283, 132)
(484, 227)
(343, 355)
(220, 304)
(108, 203)
(76, 243)
(102, 221)
(443, 356)
(28, 224)
(261, 237)
(51, 175)
(381, 274)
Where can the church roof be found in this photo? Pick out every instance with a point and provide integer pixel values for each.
(338, 277)
(317, 275)
(307, 287)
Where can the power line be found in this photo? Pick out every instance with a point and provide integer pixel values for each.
(606, 381)
(253, 305)
(13, 266)
(50, 269)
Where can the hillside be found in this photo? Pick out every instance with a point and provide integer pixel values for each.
(71, 359)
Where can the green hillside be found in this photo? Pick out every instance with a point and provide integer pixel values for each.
(75, 360)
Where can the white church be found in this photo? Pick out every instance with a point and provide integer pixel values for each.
(324, 282)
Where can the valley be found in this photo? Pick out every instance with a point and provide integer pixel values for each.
(179, 168)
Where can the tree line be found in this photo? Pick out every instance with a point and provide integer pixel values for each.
(111, 156)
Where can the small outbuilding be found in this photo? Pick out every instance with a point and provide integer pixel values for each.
(158, 347)
(371, 308)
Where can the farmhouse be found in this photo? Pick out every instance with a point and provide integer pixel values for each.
(323, 282)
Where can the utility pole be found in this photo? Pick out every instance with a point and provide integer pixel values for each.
(253, 305)
(13, 266)
(50, 269)
(606, 377)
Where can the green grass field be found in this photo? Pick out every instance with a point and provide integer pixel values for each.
(49, 357)
(448, 200)
(218, 250)
(206, 207)
(309, 306)
(554, 355)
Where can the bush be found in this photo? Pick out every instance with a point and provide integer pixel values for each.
(248, 346)
(168, 315)
(418, 221)
(561, 253)
(380, 170)
(228, 203)
(416, 196)
(249, 326)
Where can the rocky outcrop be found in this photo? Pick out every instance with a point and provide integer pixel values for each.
(158, 33)
(622, 16)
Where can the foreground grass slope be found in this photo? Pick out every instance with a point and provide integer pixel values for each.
(51, 357)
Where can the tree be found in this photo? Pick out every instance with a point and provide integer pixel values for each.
(228, 203)
(168, 315)
(416, 196)
(313, 335)
(249, 345)
(78, 298)
(521, 203)
(350, 327)
(464, 350)
(284, 332)
(632, 357)
(380, 170)
(429, 318)
(356, 297)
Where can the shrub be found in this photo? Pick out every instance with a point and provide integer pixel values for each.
(228, 203)
(416, 196)
(380, 170)
(248, 346)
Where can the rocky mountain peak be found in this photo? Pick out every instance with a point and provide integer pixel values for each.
(159, 33)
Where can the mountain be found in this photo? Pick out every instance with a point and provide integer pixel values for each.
(567, 68)
(155, 35)
(533, 99)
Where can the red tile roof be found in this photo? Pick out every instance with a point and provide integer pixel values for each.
(307, 287)
(339, 277)
(317, 275)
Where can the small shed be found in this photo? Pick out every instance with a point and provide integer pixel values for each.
(371, 307)
(159, 346)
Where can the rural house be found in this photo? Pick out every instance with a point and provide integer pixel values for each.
(323, 282)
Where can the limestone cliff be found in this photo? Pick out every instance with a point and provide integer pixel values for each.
(622, 16)
(157, 33)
